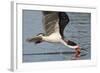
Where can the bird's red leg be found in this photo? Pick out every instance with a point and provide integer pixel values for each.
(77, 52)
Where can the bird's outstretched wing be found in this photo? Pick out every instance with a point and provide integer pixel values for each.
(50, 21)
(63, 21)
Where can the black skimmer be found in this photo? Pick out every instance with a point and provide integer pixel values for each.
(54, 25)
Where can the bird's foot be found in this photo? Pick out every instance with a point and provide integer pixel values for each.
(78, 51)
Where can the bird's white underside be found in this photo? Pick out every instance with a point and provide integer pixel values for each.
(56, 38)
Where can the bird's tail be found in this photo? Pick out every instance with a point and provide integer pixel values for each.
(36, 40)
(29, 39)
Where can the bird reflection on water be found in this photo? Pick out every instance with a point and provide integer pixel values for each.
(71, 55)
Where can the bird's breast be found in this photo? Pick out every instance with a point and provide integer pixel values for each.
(52, 38)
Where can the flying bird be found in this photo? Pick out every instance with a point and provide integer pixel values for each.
(54, 24)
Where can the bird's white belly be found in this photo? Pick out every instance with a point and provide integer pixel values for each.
(53, 38)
